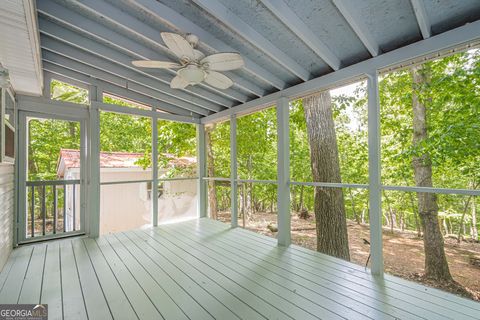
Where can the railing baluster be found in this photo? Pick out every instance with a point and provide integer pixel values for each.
(44, 211)
(32, 211)
(64, 208)
(54, 209)
(41, 187)
(73, 197)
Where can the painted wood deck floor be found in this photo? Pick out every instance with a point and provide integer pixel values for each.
(202, 269)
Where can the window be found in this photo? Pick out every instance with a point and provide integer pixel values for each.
(218, 149)
(430, 133)
(66, 92)
(119, 101)
(149, 190)
(7, 126)
(329, 145)
(177, 171)
(347, 107)
(257, 145)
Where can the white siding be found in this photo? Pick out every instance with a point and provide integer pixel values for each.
(7, 200)
(20, 49)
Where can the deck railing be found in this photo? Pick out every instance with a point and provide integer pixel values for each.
(50, 204)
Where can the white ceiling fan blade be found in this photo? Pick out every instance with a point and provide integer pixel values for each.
(155, 64)
(223, 61)
(178, 83)
(179, 46)
(198, 55)
(218, 80)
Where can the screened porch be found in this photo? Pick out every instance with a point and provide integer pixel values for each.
(216, 159)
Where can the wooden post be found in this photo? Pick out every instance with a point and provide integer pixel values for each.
(94, 163)
(283, 172)
(233, 171)
(374, 178)
(154, 194)
(201, 171)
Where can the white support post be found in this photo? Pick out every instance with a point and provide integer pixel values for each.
(94, 164)
(47, 79)
(375, 191)
(283, 172)
(202, 171)
(233, 171)
(154, 195)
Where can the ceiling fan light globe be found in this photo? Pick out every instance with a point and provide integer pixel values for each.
(192, 74)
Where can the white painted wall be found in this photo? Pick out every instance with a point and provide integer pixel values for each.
(7, 198)
(179, 201)
(127, 206)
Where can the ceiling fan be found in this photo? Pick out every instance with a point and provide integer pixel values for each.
(194, 66)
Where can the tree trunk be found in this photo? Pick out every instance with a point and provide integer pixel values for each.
(436, 265)
(300, 205)
(464, 213)
(445, 226)
(293, 197)
(330, 219)
(212, 194)
(461, 228)
(474, 221)
(390, 211)
(355, 214)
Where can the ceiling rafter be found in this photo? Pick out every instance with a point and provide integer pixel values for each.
(179, 22)
(54, 59)
(348, 11)
(131, 25)
(221, 13)
(84, 26)
(55, 36)
(106, 67)
(113, 88)
(422, 18)
(289, 18)
(117, 56)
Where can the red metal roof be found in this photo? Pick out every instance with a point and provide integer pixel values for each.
(71, 159)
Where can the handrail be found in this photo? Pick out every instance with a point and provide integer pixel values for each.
(52, 182)
(106, 183)
(40, 202)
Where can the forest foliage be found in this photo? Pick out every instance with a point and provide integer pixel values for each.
(453, 144)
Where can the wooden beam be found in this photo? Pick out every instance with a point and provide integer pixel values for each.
(121, 92)
(154, 192)
(350, 13)
(201, 171)
(93, 151)
(422, 18)
(68, 25)
(181, 24)
(129, 72)
(130, 26)
(283, 12)
(374, 176)
(68, 56)
(223, 14)
(145, 113)
(59, 77)
(283, 172)
(114, 86)
(49, 106)
(162, 80)
(233, 172)
(450, 39)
